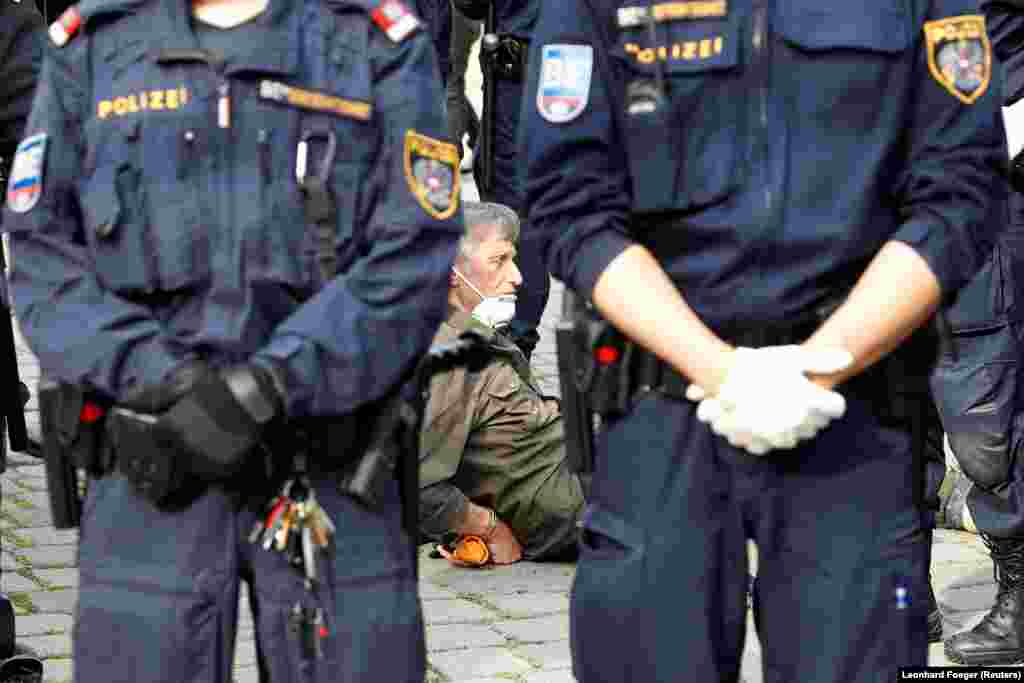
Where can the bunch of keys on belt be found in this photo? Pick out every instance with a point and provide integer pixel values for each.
(296, 526)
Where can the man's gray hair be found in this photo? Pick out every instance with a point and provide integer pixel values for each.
(479, 214)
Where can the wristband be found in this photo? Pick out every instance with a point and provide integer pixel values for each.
(492, 524)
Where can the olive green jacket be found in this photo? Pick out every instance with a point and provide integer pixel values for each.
(493, 437)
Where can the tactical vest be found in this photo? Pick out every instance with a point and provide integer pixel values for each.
(190, 161)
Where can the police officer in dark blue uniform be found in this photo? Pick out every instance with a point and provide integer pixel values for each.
(505, 66)
(768, 198)
(976, 382)
(232, 224)
(975, 388)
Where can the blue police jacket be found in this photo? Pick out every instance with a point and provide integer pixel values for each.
(763, 150)
(156, 214)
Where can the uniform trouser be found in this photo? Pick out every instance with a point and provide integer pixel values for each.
(659, 593)
(980, 401)
(159, 593)
(533, 294)
(1000, 512)
(462, 119)
(935, 462)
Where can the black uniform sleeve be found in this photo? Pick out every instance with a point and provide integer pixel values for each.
(1005, 24)
(21, 42)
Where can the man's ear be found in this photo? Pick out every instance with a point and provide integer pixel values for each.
(453, 279)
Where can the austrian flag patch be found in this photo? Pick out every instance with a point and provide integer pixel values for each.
(26, 182)
(396, 20)
(66, 26)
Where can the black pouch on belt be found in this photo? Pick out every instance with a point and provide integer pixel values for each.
(79, 423)
(605, 376)
(148, 462)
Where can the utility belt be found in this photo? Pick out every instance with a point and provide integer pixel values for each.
(650, 373)
(505, 56)
(610, 370)
(601, 372)
(84, 437)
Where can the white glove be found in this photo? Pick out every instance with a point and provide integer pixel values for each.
(767, 401)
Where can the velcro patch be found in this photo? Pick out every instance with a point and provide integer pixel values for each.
(26, 182)
(628, 17)
(315, 101)
(960, 55)
(564, 87)
(66, 26)
(397, 21)
(432, 170)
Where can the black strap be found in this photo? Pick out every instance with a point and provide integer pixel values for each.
(322, 214)
(409, 480)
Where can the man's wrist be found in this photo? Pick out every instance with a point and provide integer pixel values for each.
(831, 380)
(716, 365)
(478, 521)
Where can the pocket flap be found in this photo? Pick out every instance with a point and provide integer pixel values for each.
(602, 522)
(882, 26)
(505, 385)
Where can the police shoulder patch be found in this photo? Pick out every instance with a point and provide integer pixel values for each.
(564, 86)
(960, 55)
(66, 26)
(395, 19)
(432, 170)
(25, 185)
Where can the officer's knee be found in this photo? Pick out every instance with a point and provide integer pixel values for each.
(983, 456)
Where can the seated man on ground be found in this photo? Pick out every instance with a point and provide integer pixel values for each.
(492, 449)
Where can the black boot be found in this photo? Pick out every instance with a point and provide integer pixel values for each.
(999, 638)
(934, 616)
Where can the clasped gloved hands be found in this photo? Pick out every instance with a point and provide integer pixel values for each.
(767, 400)
(201, 422)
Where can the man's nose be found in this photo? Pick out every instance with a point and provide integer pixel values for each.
(515, 277)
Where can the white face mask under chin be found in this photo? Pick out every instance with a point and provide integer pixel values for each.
(495, 311)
